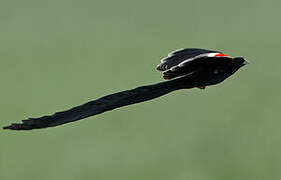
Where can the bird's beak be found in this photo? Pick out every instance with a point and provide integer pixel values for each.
(245, 62)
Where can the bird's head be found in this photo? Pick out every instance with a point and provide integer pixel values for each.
(237, 63)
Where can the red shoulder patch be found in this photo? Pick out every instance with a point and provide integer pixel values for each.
(221, 55)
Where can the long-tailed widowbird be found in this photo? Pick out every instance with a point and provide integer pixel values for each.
(188, 68)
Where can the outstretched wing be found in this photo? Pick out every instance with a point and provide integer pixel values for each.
(176, 57)
(197, 63)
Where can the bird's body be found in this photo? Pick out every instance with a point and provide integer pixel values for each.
(185, 61)
(217, 65)
(188, 68)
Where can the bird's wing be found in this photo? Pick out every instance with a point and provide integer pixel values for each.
(195, 64)
(176, 57)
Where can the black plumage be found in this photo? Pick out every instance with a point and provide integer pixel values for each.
(190, 68)
(178, 56)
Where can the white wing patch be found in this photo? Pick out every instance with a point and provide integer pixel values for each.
(218, 55)
(203, 55)
(212, 54)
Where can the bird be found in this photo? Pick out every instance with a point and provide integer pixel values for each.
(182, 69)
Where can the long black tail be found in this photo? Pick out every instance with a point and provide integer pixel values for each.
(107, 103)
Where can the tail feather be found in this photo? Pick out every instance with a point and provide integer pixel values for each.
(107, 103)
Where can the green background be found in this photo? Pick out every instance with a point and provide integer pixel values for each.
(57, 54)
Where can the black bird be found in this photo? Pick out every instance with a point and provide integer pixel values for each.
(189, 68)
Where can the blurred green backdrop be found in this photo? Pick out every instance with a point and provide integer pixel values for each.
(57, 54)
